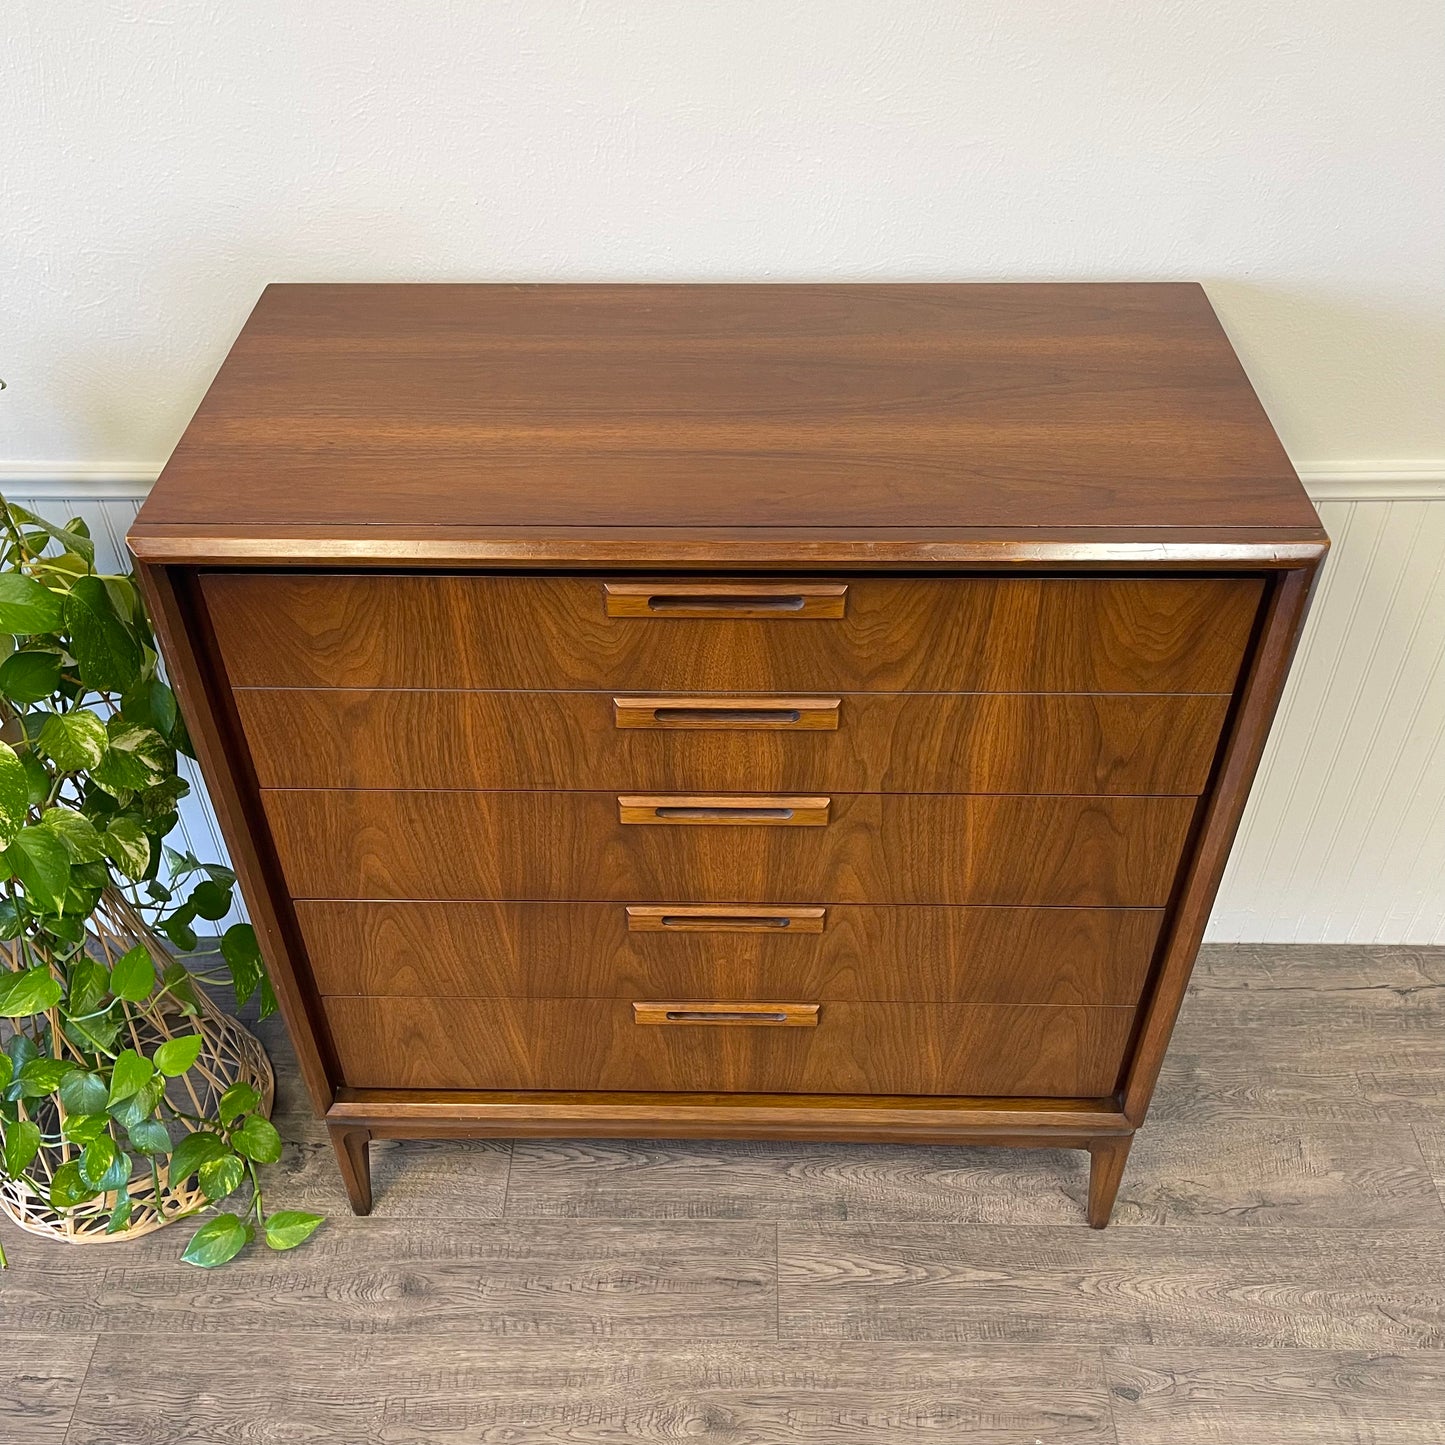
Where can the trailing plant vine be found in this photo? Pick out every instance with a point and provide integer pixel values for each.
(89, 738)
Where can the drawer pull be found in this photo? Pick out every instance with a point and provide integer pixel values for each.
(793, 714)
(725, 599)
(764, 1015)
(768, 812)
(727, 815)
(681, 918)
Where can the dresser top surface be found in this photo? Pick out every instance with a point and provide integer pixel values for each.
(800, 410)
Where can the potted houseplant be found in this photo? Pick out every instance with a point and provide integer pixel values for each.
(128, 1099)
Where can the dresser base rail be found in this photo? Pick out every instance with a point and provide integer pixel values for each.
(1097, 1125)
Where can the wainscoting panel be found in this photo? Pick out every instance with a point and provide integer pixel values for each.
(1344, 838)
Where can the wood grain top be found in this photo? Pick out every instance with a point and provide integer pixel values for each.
(377, 412)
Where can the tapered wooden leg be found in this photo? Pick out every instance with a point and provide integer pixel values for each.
(353, 1155)
(1107, 1157)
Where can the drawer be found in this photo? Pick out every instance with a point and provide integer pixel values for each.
(849, 952)
(863, 1048)
(859, 742)
(851, 847)
(979, 634)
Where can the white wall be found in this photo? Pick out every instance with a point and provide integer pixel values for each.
(163, 159)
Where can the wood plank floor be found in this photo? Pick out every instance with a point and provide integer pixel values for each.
(1275, 1272)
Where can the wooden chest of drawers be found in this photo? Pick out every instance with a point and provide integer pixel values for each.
(806, 712)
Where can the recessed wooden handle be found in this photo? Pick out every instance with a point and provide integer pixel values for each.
(746, 1015)
(730, 808)
(723, 918)
(751, 714)
(742, 599)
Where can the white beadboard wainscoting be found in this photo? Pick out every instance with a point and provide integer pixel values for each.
(1344, 838)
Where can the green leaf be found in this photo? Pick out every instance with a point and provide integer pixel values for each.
(175, 1056)
(257, 1139)
(266, 999)
(20, 1049)
(181, 987)
(43, 1076)
(82, 1128)
(178, 929)
(27, 608)
(97, 1161)
(139, 1106)
(220, 1177)
(218, 1240)
(118, 1175)
(157, 803)
(107, 652)
(30, 991)
(68, 928)
(83, 1092)
(71, 536)
(243, 957)
(239, 1099)
(126, 602)
(127, 846)
(11, 924)
(7, 1070)
(136, 758)
(152, 704)
(131, 1073)
(58, 569)
(37, 779)
(82, 894)
(133, 975)
(94, 1035)
(14, 794)
(289, 1227)
(73, 741)
(68, 1188)
(209, 900)
(150, 1136)
(120, 1215)
(77, 832)
(22, 1144)
(194, 1150)
(89, 983)
(30, 676)
(39, 860)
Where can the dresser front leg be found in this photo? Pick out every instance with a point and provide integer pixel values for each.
(353, 1156)
(1107, 1157)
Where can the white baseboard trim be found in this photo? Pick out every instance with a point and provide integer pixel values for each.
(1363, 481)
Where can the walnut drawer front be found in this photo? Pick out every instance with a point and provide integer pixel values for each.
(858, 952)
(873, 847)
(855, 742)
(470, 1043)
(979, 634)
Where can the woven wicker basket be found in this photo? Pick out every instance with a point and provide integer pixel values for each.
(229, 1054)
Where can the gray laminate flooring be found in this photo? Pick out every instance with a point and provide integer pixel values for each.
(1275, 1272)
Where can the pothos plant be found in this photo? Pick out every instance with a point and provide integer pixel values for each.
(89, 738)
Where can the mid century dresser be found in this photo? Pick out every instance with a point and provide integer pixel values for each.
(795, 712)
